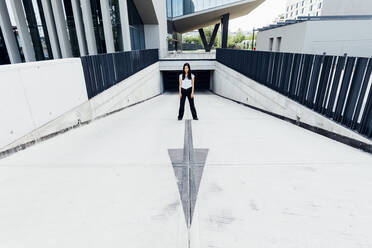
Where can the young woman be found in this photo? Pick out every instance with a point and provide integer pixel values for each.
(186, 89)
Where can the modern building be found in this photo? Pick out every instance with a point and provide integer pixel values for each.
(298, 8)
(346, 7)
(295, 8)
(342, 27)
(52, 29)
(92, 153)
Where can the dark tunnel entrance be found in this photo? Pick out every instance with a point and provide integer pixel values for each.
(170, 80)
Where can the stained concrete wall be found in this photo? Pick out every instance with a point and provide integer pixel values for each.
(33, 94)
(236, 86)
(38, 99)
(335, 37)
(139, 87)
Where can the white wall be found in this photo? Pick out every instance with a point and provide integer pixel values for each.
(139, 87)
(335, 37)
(33, 94)
(41, 98)
(161, 14)
(353, 37)
(236, 86)
(295, 8)
(151, 36)
(347, 7)
(293, 38)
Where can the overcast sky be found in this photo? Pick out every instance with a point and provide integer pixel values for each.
(261, 16)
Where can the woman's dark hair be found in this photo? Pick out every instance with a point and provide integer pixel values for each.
(183, 71)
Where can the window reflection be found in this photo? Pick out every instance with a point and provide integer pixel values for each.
(183, 7)
(137, 33)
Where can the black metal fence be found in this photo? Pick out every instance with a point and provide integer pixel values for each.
(105, 70)
(338, 87)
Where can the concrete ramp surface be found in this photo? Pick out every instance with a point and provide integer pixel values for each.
(265, 183)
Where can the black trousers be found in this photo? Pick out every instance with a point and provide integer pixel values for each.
(187, 93)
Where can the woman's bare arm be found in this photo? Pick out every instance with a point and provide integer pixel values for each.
(192, 90)
(180, 85)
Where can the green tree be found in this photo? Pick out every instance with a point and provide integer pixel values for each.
(193, 40)
(239, 37)
(234, 41)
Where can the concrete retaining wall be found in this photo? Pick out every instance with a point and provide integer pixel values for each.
(236, 86)
(41, 98)
(33, 94)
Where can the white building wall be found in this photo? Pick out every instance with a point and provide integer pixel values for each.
(292, 38)
(161, 14)
(295, 8)
(347, 7)
(337, 37)
(152, 36)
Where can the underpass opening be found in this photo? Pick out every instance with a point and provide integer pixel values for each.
(202, 80)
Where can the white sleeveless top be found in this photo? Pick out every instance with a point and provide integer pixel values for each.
(186, 83)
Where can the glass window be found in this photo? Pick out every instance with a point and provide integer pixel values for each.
(43, 30)
(71, 28)
(4, 58)
(183, 7)
(137, 34)
(116, 25)
(34, 25)
(98, 26)
(169, 8)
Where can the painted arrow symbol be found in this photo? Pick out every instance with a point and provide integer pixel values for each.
(188, 164)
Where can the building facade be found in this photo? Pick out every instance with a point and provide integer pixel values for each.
(347, 7)
(339, 27)
(296, 8)
(35, 30)
(321, 35)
